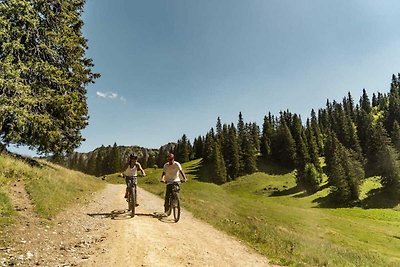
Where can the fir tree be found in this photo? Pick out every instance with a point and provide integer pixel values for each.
(395, 137)
(365, 104)
(218, 165)
(283, 145)
(43, 75)
(265, 144)
(232, 153)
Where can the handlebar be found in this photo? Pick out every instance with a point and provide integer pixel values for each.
(181, 181)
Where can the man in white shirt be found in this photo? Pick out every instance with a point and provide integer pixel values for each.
(170, 175)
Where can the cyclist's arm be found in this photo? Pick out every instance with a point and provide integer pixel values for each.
(141, 169)
(183, 175)
(162, 179)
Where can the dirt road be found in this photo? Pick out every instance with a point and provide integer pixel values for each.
(147, 240)
(100, 232)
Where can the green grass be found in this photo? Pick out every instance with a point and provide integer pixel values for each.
(291, 228)
(50, 187)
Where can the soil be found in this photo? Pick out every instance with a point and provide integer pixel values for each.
(101, 232)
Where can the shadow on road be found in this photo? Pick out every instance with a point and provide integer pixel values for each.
(126, 214)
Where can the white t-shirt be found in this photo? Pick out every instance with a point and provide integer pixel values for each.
(172, 172)
(131, 171)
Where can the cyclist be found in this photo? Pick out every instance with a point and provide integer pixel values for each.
(170, 174)
(131, 172)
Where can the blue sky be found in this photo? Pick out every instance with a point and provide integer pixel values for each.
(172, 67)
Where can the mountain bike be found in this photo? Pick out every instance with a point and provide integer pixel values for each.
(174, 202)
(132, 194)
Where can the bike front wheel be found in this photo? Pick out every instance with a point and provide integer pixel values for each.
(131, 202)
(176, 207)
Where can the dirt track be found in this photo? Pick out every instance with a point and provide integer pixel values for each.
(147, 240)
(101, 233)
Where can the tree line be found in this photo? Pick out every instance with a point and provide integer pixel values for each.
(345, 140)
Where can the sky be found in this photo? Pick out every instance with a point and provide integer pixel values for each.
(173, 67)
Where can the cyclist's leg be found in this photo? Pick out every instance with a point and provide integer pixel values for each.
(136, 195)
(126, 190)
(168, 191)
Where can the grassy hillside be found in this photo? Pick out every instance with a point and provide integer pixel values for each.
(49, 186)
(271, 215)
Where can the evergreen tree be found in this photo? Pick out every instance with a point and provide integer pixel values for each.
(283, 145)
(43, 75)
(183, 149)
(313, 149)
(396, 136)
(393, 111)
(218, 165)
(255, 136)
(364, 124)
(316, 131)
(249, 153)
(91, 164)
(198, 147)
(365, 104)
(344, 171)
(232, 154)
(382, 159)
(265, 144)
(114, 159)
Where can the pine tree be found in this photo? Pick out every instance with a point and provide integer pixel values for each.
(249, 152)
(344, 171)
(183, 149)
(218, 165)
(232, 154)
(283, 145)
(43, 75)
(198, 147)
(395, 137)
(265, 144)
(255, 136)
(316, 131)
(115, 159)
(383, 158)
(313, 149)
(365, 104)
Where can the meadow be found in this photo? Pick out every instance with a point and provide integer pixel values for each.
(268, 212)
(265, 210)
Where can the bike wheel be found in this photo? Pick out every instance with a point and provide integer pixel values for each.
(176, 206)
(168, 212)
(131, 202)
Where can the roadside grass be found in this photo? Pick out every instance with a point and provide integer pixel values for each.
(272, 215)
(50, 187)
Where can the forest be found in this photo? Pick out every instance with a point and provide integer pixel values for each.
(347, 141)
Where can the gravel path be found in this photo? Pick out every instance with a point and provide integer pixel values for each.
(101, 233)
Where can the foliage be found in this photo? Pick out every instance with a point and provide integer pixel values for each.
(43, 73)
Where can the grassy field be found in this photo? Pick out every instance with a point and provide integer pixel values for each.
(50, 187)
(291, 228)
(266, 210)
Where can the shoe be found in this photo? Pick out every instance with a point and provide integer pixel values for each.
(126, 195)
(137, 204)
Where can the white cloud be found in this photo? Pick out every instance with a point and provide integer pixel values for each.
(110, 95)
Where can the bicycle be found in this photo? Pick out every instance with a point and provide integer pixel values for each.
(132, 193)
(174, 202)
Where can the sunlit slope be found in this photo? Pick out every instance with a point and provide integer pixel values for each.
(269, 213)
(50, 187)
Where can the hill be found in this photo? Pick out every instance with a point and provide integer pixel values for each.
(50, 187)
(269, 213)
(265, 209)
